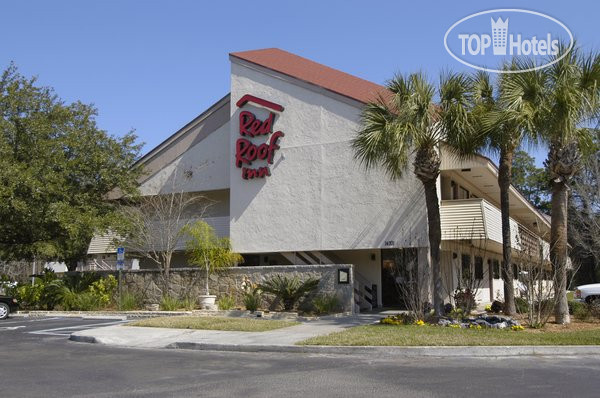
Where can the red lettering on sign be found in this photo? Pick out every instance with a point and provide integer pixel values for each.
(261, 172)
(250, 126)
(246, 152)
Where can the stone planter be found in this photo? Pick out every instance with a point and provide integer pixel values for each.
(207, 301)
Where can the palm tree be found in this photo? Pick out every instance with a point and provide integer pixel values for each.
(503, 119)
(572, 101)
(408, 123)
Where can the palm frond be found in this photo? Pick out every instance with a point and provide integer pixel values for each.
(457, 102)
(392, 128)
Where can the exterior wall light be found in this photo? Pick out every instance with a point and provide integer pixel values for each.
(344, 275)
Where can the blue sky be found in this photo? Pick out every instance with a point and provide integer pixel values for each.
(153, 66)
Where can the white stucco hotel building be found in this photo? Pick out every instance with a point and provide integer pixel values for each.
(275, 155)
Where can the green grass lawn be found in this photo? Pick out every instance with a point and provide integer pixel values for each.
(214, 323)
(412, 335)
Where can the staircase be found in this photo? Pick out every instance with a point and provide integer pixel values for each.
(365, 299)
(102, 265)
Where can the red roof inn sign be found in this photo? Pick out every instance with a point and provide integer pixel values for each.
(250, 126)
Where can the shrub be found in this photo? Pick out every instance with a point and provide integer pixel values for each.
(326, 304)
(457, 314)
(80, 281)
(88, 301)
(43, 294)
(253, 299)
(49, 292)
(289, 290)
(29, 295)
(448, 308)
(104, 289)
(594, 308)
(129, 302)
(582, 313)
(79, 301)
(465, 300)
(226, 303)
(521, 305)
(574, 306)
(399, 319)
(188, 303)
(497, 306)
(168, 303)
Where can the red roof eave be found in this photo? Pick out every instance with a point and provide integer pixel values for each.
(300, 68)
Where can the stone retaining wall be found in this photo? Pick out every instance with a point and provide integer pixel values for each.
(187, 282)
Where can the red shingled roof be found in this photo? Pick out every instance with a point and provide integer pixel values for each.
(312, 72)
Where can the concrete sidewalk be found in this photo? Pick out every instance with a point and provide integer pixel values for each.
(284, 340)
(147, 337)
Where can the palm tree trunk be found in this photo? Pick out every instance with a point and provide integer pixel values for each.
(504, 180)
(558, 250)
(435, 240)
(563, 163)
(427, 169)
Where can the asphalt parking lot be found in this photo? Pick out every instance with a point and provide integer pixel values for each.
(38, 360)
(16, 328)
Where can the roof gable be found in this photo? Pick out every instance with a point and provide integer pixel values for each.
(312, 72)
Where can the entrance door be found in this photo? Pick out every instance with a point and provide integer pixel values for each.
(397, 267)
(390, 293)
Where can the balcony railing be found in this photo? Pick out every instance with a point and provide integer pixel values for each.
(479, 219)
(95, 264)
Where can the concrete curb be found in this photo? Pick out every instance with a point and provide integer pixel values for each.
(139, 314)
(421, 351)
(83, 339)
(380, 351)
(99, 314)
(64, 315)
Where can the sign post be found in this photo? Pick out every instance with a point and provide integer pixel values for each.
(120, 264)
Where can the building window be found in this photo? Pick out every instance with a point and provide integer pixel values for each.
(515, 271)
(496, 266)
(463, 193)
(465, 267)
(478, 267)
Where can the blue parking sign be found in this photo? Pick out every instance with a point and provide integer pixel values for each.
(120, 257)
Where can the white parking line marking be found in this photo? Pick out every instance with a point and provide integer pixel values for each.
(30, 320)
(67, 330)
(11, 327)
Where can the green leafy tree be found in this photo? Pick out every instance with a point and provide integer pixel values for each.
(502, 119)
(408, 124)
(56, 171)
(207, 251)
(557, 104)
(154, 226)
(531, 181)
(571, 105)
(584, 218)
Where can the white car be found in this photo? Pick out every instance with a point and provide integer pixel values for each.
(588, 293)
